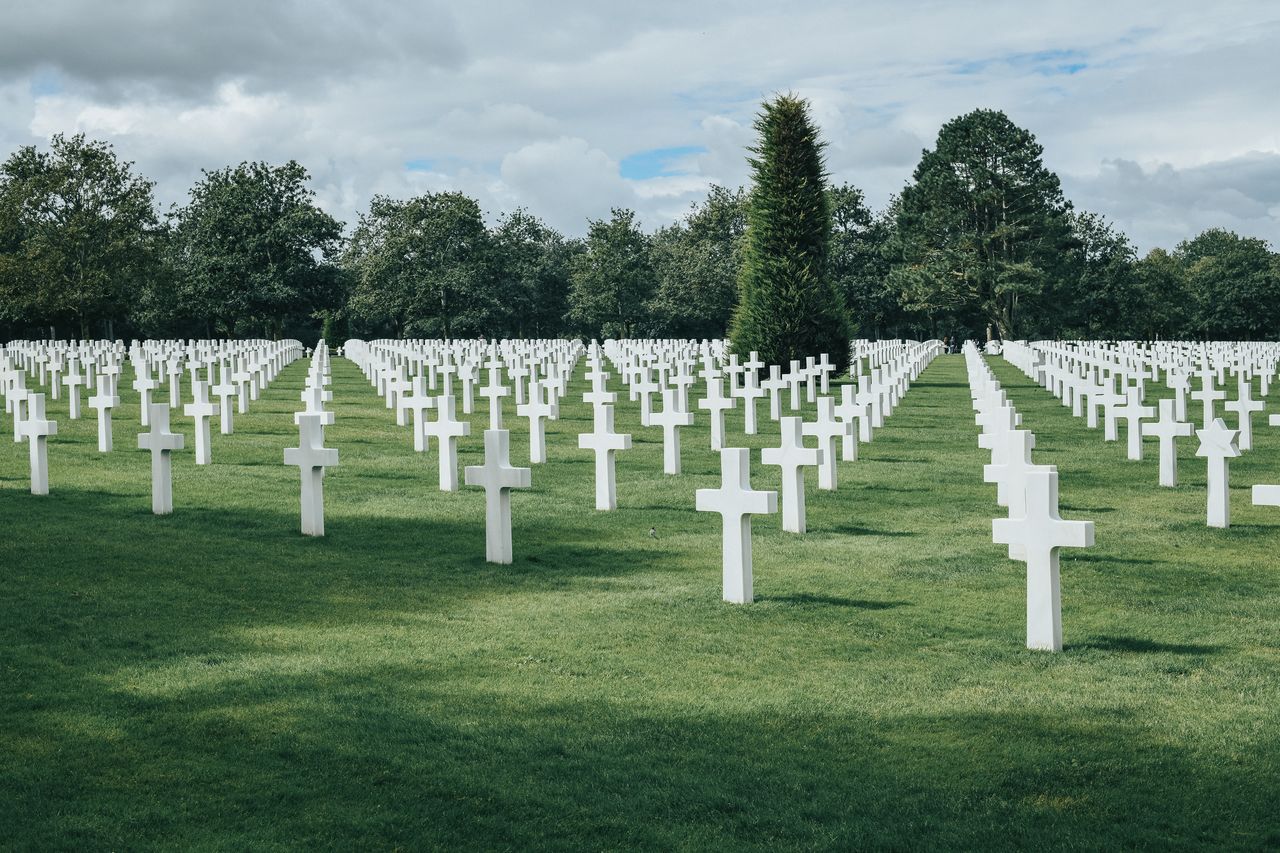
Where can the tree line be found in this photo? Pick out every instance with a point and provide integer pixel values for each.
(980, 242)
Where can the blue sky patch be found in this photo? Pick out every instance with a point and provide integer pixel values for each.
(658, 162)
(1047, 63)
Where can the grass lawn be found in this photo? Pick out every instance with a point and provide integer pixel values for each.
(214, 680)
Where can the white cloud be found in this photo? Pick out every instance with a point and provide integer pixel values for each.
(1148, 111)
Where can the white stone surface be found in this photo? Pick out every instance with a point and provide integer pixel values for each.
(1036, 536)
(161, 442)
(497, 477)
(736, 502)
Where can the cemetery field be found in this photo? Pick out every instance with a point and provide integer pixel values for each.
(213, 679)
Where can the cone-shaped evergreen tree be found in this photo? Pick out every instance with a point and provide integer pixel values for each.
(788, 307)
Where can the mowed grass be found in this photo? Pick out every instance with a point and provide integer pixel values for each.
(214, 680)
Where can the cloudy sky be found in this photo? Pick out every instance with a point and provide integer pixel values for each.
(1162, 116)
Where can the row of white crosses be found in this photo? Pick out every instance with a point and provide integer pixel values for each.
(67, 363)
(311, 456)
(406, 372)
(1085, 377)
(1033, 531)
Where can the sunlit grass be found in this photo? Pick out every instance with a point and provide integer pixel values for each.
(214, 679)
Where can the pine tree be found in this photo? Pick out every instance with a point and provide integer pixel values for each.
(788, 307)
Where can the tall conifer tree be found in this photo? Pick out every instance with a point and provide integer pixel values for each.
(788, 307)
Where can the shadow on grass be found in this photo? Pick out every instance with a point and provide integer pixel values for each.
(855, 530)
(428, 756)
(1140, 645)
(804, 598)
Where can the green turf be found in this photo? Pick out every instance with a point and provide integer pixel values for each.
(214, 680)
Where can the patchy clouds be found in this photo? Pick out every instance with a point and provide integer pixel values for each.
(1160, 116)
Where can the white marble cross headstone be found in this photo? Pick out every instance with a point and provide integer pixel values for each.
(144, 385)
(716, 403)
(792, 456)
(497, 477)
(201, 410)
(103, 402)
(225, 391)
(1168, 428)
(161, 443)
(1039, 533)
(1208, 395)
(736, 502)
(311, 457)
(605, 442)
(1133, 413)
(671, 419)
(36, 429)
(537, 410)
(447, 429)
(1244, 406)
(826, 429)
(418, 402)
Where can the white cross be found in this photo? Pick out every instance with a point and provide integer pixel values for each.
(36, 429)
(1217, 445)
(161, 443)
(1167, 430)
(537, 411)
(850, 411)
(1244, 406)
(1039, 533)
(242, 376)
(497, 477)
(605, 442)
(175, 382)
(1133, 413)
(103, 402)
(202, 410)
(314, 396)
(792, 456)
(73, 381)
(225, 390)
(144, 385)
(825, 367)
(671, 418)
(447, 429)
(311, 457)
(1009, 470)
(716, 403)
(736, 502)
(774, 386)
(1208, 395)
(794, 378)
(749, 392)
(826, 429)
(494, 391)
(418, 403)
(1180, 384)
(644, 390)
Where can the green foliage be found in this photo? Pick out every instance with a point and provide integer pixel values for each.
(1234, 284)
(1166, 310)
(533, 263)
(424, 267)
(862, 246)
(788, 307)
(983, 226)
(696, 262)
(1097, 295)
(252, 250)
(78, 234)
(612, 279)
